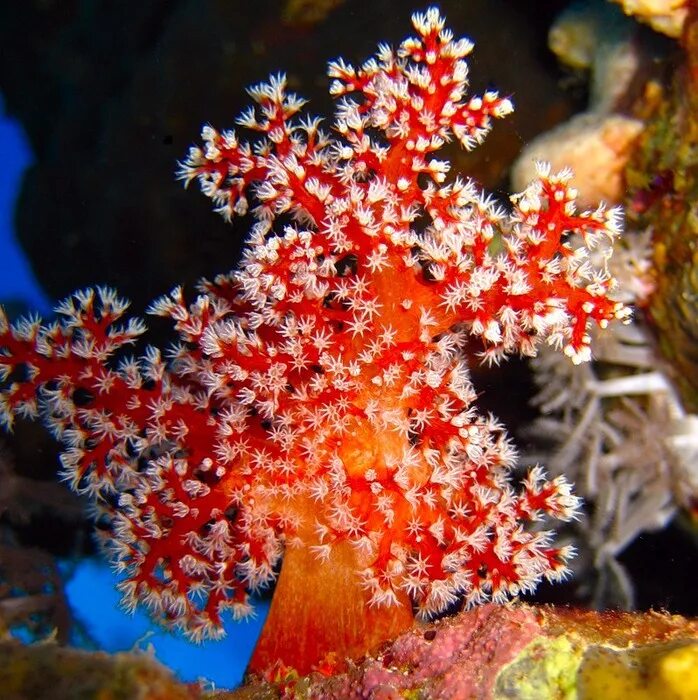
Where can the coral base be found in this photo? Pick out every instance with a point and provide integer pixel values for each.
(318, 617)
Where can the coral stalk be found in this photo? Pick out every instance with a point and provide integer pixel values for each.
(330, 622)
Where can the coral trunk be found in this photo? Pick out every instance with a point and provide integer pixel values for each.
(319, 616)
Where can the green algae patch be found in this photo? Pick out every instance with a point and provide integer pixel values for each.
(546, 668)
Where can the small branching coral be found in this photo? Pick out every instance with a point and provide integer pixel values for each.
(617, 426)
(318, 405)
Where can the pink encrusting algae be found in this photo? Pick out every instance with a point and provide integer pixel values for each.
(317, 406)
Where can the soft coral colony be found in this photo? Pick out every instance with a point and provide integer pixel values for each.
(317, 406)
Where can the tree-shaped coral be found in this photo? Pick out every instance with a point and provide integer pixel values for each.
(317, 406)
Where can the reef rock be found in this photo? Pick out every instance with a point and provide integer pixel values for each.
(665, 16)
(596, 144)
(490, 653)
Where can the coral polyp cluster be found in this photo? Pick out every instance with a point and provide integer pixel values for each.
(318, 398)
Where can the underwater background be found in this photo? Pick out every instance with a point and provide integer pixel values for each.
(98, 104)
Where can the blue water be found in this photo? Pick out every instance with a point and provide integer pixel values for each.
(90, 586)
(17, 282)
(95, 601)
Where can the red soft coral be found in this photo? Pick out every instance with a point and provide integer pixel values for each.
(318, 405)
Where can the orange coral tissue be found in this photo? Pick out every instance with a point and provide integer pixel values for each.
(317, 406)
